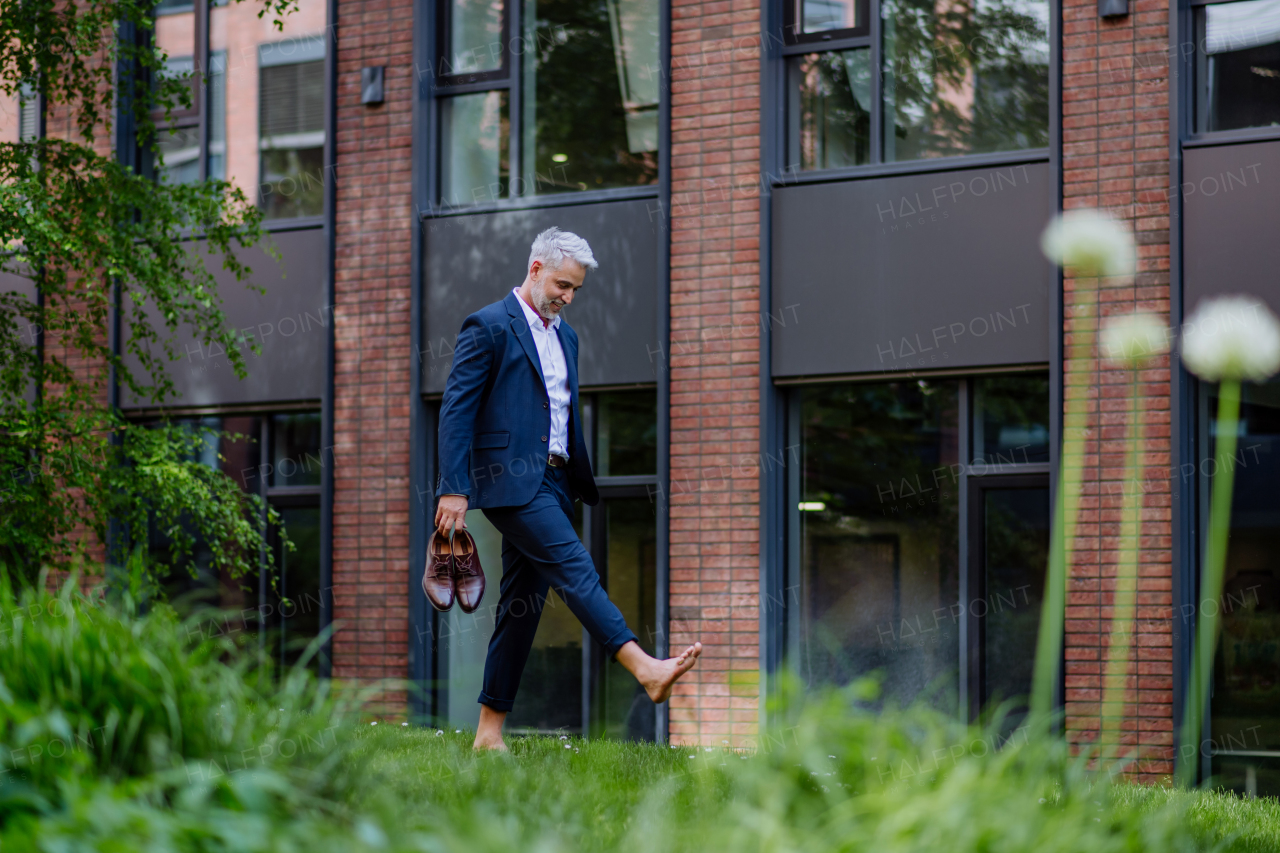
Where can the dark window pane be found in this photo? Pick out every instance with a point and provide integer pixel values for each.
(1238, 67)
(474, 32)
(829, 110)
(590, 115)
(621, 709)
(293, 606)
(1245, 706)
(627, 434)
(964, 79)
(474, 133)
(291, 138)
(878, 569)
(1010, 420)
(295, 450)
(1015, 549)
(173, 7)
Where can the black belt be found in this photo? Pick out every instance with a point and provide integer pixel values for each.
(556, 461)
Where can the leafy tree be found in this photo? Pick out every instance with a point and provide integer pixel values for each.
(105, 245)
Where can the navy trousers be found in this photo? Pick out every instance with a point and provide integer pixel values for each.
(541, 551)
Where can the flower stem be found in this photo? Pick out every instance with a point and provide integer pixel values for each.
(1215, 560)
(1066, 510)
(1115, 688)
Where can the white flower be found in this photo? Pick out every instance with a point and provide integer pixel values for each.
(1232, 337)
(1132, 339)
(404, 724)
(374, 723)
(1093, 242)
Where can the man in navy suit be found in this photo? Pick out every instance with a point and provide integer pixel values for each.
(511, 445)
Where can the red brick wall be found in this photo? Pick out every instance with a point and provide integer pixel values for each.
(715, 365)
(1115, 156)
(373, 353)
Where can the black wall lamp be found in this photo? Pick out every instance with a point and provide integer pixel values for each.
(1113, 8)
(371, 83)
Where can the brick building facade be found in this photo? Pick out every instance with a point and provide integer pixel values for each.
(824, 364)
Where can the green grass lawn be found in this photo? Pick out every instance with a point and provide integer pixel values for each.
(125, 732)
(571, 794)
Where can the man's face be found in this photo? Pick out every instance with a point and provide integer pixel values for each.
(553, 288)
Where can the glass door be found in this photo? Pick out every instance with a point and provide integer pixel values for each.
(1009, 522)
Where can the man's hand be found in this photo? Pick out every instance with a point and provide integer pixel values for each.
(451, 512)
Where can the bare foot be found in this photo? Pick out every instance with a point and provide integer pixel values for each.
(495, 744)
(661, 675)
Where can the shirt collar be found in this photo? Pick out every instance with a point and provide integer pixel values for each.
(532, 316)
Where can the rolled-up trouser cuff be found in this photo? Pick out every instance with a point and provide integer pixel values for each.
(617, 641)
(502, 706)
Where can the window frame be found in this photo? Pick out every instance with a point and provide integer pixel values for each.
(1191, 66)
(259, 484)
(593, 534)
(792, 36)
(970, 483)
(200, 114)
(776, 104)
(441, 86)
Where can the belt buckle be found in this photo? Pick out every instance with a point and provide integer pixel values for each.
(556, 461)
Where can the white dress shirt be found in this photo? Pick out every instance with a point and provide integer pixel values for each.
(556, 373)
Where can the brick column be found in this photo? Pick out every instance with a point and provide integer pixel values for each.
(373, 363)
(1115, 156)
(714, 361)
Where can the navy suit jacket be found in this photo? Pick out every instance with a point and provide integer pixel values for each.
(495, 418)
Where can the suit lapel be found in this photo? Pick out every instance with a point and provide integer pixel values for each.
(520, 327)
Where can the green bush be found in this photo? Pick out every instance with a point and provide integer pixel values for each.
(92, 693)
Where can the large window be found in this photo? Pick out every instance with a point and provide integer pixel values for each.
(959, 78)
(1237, 72)
(883, 577)
(279, 457)
(568, 685)
(546, 96)
(1245, 703)
(257, 113)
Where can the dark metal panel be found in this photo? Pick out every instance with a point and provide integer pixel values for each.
(1231, 204)
(291, 321)
(472, 261)
(912, 272)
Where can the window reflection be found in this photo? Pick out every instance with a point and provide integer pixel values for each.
(1010, 420)
(590, 94)
(266, 106)
(284, 604)
(1245, 703)
(475, 42)
(626, 433)
(1238, 67)
(964, 78)
(1015, 530)
(473, 148)
(830, 110)
(878, 567)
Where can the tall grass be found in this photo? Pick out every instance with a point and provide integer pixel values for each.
(129, 731)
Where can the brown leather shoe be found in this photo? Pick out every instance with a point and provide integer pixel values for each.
(468, 577)
(437, 578)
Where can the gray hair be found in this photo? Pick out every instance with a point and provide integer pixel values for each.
(553, 246)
